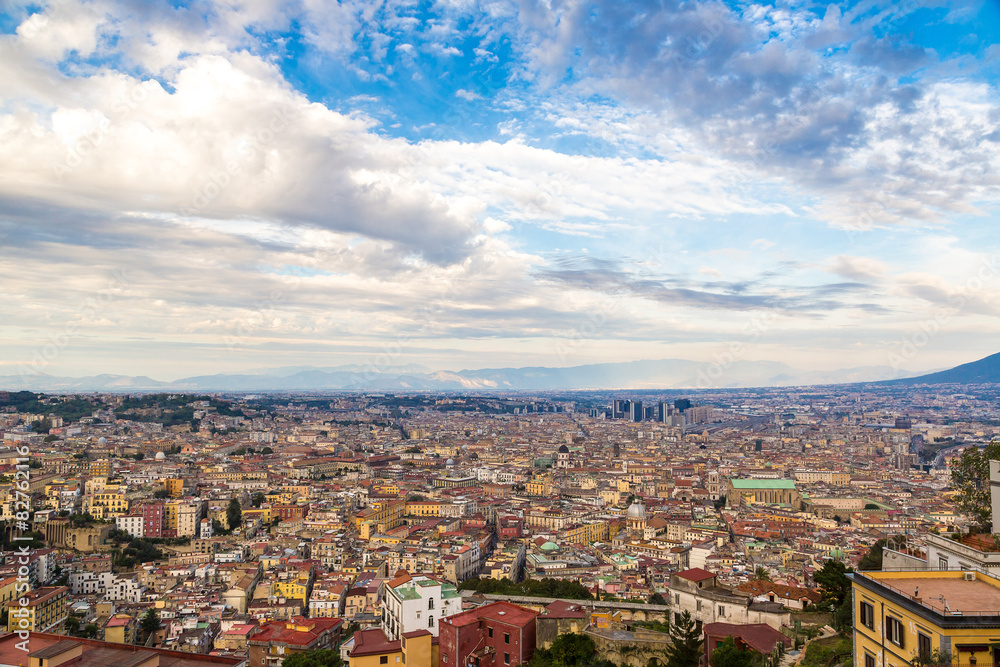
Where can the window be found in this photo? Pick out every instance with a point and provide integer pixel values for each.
(490, 630)
(722, 611)
(506, 638)
(383, 660)
(698, 606)
(506, 658)
(677, 598)
(894, 630)
(430, 603)
(430, 621)
(444, 657)
(869, 660)
(923, 645)
(942, 563)
(867, 615)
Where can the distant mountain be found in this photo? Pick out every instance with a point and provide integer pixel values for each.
(647, 374)
(984, 371)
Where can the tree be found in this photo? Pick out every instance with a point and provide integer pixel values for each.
(326, 657)
(90, 631)
(258, 499)
(760, 574)
(873, 559)
(657, 598)
(72, 625)
(685, 650)
(266, 451)
(728, 654)
(234, 514)
(970, 477)
(149, 624)
(832, 578)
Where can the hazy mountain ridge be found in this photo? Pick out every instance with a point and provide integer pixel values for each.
(982, 371)
(645, 374)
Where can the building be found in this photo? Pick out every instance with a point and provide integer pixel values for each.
(131, 524)
(41, 610)
(412, 649)
(152, 520)
(51, 650)
(905, 615)
(278, 639)
(757, 637)
(697, 592)
(494, 635)
(762, 492)
(416, 602)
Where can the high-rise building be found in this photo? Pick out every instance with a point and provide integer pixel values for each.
(635, 411)
(682, 404)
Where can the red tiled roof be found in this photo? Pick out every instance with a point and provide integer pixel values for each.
(371, 642)
(758, 636)
(695, 574)
(501, 612)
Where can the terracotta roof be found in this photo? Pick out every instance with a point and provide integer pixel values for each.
(758, 636)
(372, 642)
(695, 574)
(500, 612)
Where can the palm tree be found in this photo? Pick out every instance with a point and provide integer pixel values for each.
(760, 574)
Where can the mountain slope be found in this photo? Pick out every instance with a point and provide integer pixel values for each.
(983, 371)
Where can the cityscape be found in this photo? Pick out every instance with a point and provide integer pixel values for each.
(499, 333)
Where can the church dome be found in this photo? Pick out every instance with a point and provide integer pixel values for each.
(636, 511)
(563, 449)
(160, 456)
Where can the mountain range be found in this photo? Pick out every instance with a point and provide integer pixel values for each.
(647, 374)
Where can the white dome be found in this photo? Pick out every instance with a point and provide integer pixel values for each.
(636, 511)
(160, 456)
(450, 462)
(102, 440)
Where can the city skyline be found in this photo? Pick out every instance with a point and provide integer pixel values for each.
(195, 188)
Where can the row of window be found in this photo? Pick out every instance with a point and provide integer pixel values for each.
(506, 659)
(893, 630)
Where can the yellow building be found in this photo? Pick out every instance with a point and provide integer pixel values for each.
(108, 504)
(585, 533)
(384, 516)
(905, 616)
(423, 508)
(43, 610)
(174, 487)
(539, 486)
(120, 629)
(412, 649)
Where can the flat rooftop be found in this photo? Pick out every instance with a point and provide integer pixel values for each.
(945, 592)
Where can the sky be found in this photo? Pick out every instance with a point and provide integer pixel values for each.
(189, 188)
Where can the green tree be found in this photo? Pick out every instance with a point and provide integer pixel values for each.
(266, 451)
(326, 657)
(685, 650)
(832, 578)
(970, 476)
(657, 598)
(761, 574)
(149, 624)
(258, 499)
(728, 654)
(72, 625)
(234, 514)
(873, 559)
(90, 631)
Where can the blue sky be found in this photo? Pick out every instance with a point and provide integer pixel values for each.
(197, 187)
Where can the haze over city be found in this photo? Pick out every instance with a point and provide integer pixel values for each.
(191, 188)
